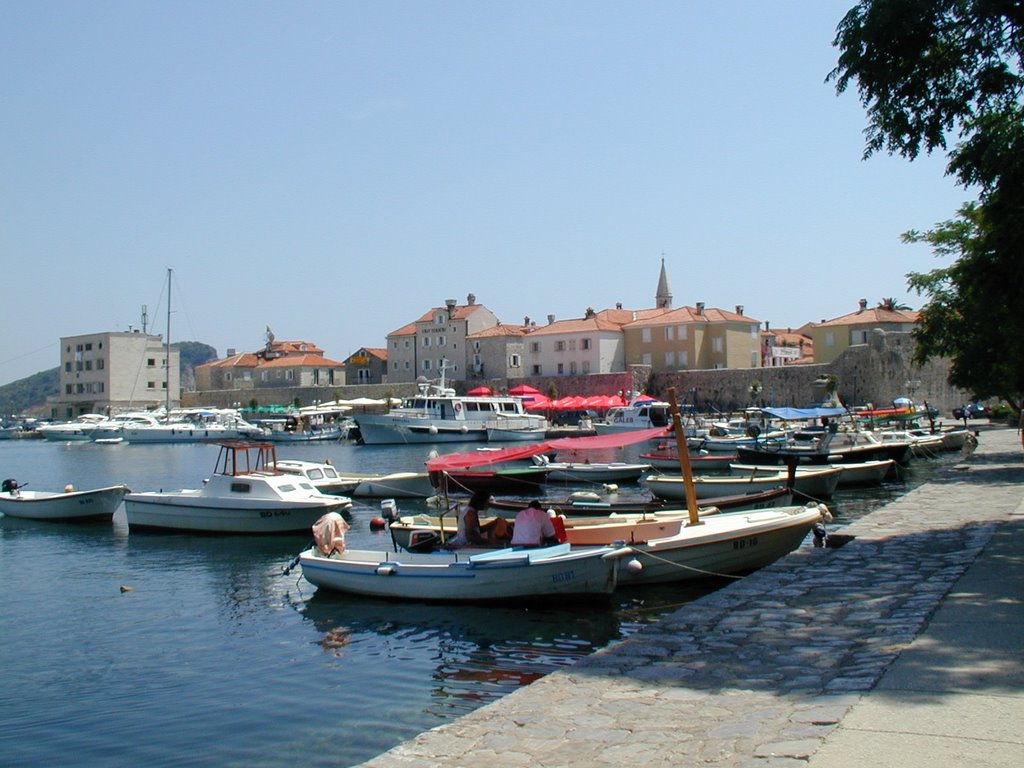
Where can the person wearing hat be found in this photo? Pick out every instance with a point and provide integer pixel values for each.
(533, 527)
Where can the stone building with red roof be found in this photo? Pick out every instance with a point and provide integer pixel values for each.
(278, 364)
(833, 337)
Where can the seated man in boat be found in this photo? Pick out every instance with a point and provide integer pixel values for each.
(471, 533)
(533, 527)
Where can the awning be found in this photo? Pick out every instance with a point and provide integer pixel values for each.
(799, 414)
(481, 458)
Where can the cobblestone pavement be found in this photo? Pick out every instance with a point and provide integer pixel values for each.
(761, 671)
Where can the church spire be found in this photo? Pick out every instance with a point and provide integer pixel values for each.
(663, 298)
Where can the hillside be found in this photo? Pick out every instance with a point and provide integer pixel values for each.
(32, 391)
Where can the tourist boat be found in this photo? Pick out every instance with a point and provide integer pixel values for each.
(69, 504)
(438, 415)
(815, 483)
(500, 575)
(321, 475)
(851, 474)
(642, 412)
(79, 430)
(246, 494)
(525, 480)
(516, 429)
(725, 544)
(112, 428)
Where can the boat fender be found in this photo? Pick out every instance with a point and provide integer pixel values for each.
(69, 488)
(826, 515)
(634, 566)
(584, 496)
(377, 524)
(611, 488)
(387, 569)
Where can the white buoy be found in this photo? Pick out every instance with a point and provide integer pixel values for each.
(634, 566)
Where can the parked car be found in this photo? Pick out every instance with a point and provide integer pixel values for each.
(970, 411)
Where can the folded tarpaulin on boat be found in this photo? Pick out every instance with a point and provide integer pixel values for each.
(798, 414)
(479, 458)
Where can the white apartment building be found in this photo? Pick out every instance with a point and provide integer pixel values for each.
(110, 372)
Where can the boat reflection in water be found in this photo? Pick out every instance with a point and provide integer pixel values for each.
(479, 653)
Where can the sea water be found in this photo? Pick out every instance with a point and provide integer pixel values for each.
(127, 649)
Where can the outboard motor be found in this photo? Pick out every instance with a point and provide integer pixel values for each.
(9, 486)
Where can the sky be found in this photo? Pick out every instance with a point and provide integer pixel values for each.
(334, 170)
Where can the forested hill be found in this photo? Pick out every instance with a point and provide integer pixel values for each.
(20, 396)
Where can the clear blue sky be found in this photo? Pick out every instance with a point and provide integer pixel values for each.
(335, 169)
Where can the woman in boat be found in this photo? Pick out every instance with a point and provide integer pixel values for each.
(471, 533)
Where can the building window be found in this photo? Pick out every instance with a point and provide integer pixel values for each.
(536, 370)
(668, 333)
(830, 339)
(645, 359)
(559, 346)
(100, 387)
(572, 345)
(227, 376)
(572, 367)
(584, 344)
(88, 365)
(151, 362)
(88, 346)
(716, 344)
(426, 341)
(514, 361)
(79, 389)
(561, 369)
(670, 359)
(586, 367)
(535, 346)
(426, 365)
(67, 367)
(67, 389)
(289, 375)
(150, 385)
(440, 341)
(684, 359)
(99, 364)
(681, 332)
(645, 335)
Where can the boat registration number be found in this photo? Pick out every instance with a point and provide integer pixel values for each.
(275, 513)
(745, 543)
(564, 577)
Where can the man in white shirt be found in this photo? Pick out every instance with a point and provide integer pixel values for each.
(533, 527)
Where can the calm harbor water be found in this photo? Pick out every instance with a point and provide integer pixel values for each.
(214, 657)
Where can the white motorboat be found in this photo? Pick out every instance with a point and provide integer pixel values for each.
(193, 425)
(113, 428)
(497, 575)
(69, 504)
(321, 475)
(640, 413)
(246, 494)
(438, 415)
(816, 482)
(79, 430)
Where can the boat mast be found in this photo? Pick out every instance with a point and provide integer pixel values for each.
(167, 349)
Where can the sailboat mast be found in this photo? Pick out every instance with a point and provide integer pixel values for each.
(167, 348)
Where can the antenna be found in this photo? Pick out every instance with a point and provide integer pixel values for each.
(145, 318)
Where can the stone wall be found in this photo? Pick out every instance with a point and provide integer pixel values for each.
(875, 373)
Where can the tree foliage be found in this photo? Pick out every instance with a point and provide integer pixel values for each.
(948, 75)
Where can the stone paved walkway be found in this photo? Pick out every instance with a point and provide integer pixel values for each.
(759, 673)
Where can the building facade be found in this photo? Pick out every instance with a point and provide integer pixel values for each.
(111, 372)
(833, 337)
(693, 338)
(367, 365)
(438, 339)
(278, 364)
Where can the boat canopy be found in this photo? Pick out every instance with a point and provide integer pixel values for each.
(479, 458)
(799, 414)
